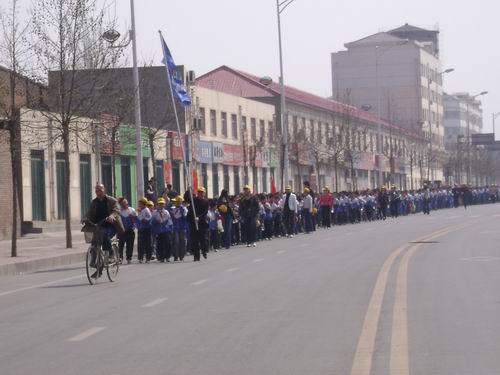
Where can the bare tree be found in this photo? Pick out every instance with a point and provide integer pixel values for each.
(14, 52)
(67, 37)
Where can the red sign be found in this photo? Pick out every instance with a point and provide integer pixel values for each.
(167, 169)
(175, 145)
(233, 155)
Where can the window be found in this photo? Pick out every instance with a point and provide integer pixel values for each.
(312, 131)
(202, 119)
(320, 132)
(262, 130)
(226, 177)
(371, 142)
(204, 175)
(234, 126)
(223, 118)
(244, 123)
(270, 125)
(236, 179)
(213, 123)
(253, 129)
(295, 125)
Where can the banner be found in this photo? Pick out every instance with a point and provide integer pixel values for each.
(167, 172)
(233, 155)
(203, 152)
(218, 152)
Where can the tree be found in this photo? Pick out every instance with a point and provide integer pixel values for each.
(67, 37)
(14, 52)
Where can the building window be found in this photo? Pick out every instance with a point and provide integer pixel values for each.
(234, 126)
(312, 131)
(202, 119)
(253, 129)
(270, 131)
(295, 125)
(204, 175)
(236, 179)
(320, 132)
(223, 118)
(213, 122)
(262, 130)
(226, 177)
(244, 123)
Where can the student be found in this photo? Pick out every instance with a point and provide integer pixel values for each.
(129, 218)
(144, 231)
(162, 227)
(178, 213)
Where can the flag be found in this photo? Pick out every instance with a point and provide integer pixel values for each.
(178, 90)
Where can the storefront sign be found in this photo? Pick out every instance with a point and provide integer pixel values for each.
(175, 145)
(218, 152)
(233, 155)
(204, 152)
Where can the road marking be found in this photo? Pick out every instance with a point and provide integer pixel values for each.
(363, 357)
(199, 282)
(480, 259)
(86, 334)
(155, 302)
(40, 285)
(232, 269)
(281, 252)
(257, 260)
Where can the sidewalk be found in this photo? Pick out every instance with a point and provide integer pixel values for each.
(43, 251)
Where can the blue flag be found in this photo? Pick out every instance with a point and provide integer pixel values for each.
(178, 89)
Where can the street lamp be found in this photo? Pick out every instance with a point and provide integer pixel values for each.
(429, 100)
(469, 100)
(111, 36)
(378, 54)
(281, 5)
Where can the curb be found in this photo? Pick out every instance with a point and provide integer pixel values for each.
(43, 264)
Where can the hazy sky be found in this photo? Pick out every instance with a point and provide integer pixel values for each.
(204, 34)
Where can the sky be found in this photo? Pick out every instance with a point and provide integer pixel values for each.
(204, 34)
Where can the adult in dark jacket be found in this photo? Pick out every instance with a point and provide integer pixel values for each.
(226, 211)
(249, 209)
(197, 236)
(382, 200)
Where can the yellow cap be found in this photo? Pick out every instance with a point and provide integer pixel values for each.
(246, 187)
(306, 190)
(201, 189)
(288, 188)
(326, 188)
(143, 201)
(160, 201)
(150, 204)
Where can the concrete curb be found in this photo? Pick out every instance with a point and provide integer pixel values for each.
(42, 264)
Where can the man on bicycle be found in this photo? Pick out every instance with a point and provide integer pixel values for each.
(105, 208)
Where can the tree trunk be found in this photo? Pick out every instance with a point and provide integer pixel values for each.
(113, 159)
(13, 161)
(67, 200)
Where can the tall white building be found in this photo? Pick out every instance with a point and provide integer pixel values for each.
(398, 73)
(461, 111)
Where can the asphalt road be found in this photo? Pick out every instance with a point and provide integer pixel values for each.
(416, 295)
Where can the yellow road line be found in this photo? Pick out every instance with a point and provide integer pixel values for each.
(363, 358)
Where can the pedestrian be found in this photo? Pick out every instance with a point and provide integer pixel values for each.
(162, 228)
(382, 201)
(178, 213)
(326, 204)
(127, 238)
(249, 209)
(226, 212)
(144, 231)
(289, 206)
(307, 206)
(198, 224)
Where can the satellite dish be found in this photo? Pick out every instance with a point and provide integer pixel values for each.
(266, 80)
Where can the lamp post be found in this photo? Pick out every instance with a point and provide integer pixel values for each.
(112, 36)
(281, 5)
(429, 100)
(469, 100)
(378, 54)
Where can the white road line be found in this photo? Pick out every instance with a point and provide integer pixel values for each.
(40, 285)
(281, 252)
(257, 260)
(232, 269)
(199, 282)
(86, 334)
(155, 302)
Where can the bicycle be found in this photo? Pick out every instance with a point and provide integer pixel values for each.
(96, 263)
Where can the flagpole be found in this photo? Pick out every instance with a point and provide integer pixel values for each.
(179, 135)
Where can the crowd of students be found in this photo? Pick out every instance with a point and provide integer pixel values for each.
(171, 226)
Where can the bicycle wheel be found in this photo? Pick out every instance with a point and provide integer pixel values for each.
(113, 263)
(92, 276)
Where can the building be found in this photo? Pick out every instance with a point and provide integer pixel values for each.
(399, 74)
(330, 143)
(461, 111)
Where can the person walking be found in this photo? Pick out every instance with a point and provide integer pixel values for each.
(226, 212)
(178, 213)
(249, 209)
(198, 235)
(307, 206)
(325, 204)
(144, 247)
(289, 207)
(127, 238)
(162, 227)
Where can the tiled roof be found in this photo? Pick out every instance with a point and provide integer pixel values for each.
(242, 84)
(407, 27)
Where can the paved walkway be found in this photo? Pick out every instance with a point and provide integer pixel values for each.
(41, 251)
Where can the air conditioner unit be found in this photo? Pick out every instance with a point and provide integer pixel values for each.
(191, 77)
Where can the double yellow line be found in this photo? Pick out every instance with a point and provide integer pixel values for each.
(399, 355)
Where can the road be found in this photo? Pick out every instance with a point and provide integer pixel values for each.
(417, 295)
